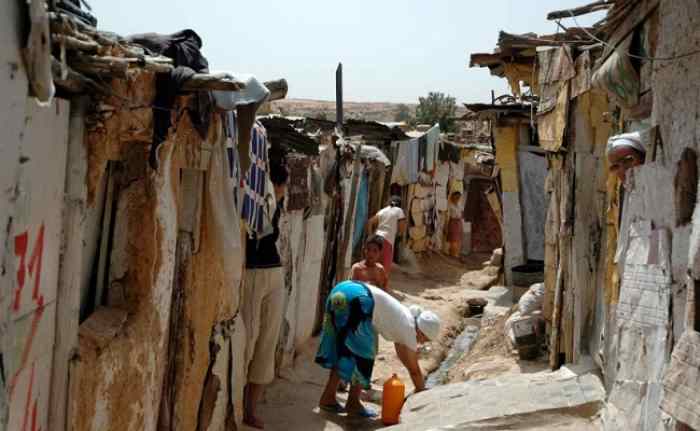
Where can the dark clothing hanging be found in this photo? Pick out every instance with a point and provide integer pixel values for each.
(263, 253)
(449, 153)
(298, 189)
(183, 48)
(73, 8)
(423, 153)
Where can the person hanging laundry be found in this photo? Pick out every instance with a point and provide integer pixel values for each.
(454, 225)
(370, 270)
(356, 313)
(263, 298)
(387, 223)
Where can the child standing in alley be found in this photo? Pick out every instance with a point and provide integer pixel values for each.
(370, 270)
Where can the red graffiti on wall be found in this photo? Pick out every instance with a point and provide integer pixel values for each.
(32, 266)
(21, 245)
(30, 405)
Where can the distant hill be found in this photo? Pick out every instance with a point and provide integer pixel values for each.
(372, 111)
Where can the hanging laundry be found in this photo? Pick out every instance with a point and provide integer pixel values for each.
(432, 138)
(298, 189)
(255, 182)
(442, 174)
(449, 152)
(618, 76)
(400, 174)
(361, 209)
(234, 170)
(457, 170)
(316, 190)
(183, 48)
(413, 160)
(423, 153)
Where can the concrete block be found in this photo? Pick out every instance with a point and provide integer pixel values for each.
(463, 406)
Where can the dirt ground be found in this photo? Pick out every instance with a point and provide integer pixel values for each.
(433, 281)
(491, 356)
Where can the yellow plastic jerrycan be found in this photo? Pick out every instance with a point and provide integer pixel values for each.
(392, 400)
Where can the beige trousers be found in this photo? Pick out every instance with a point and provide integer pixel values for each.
(262, 310)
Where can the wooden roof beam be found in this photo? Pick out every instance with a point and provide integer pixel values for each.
(582, 10)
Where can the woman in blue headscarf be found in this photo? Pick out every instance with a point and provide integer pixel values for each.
(354, 316)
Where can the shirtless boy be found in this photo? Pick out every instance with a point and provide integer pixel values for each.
(370, 270)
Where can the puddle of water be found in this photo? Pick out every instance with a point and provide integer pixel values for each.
(462, 344)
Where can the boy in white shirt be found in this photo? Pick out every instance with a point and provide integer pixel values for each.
(387, 223)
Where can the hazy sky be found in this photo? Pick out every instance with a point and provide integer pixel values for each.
(392, 50)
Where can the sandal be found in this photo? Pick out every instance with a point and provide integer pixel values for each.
(365, 413)
(332, 408)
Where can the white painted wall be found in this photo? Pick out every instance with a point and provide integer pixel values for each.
(32, 174)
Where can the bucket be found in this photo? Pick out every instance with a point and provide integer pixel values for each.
(528, 274)
(392, 400)
(476, 306)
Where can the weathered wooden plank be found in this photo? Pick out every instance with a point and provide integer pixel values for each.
(71, 42)
(205, 81)
(73, 82)
(71, 268)
(585, 247)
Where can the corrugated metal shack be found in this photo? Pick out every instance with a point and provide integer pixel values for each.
(620, 258)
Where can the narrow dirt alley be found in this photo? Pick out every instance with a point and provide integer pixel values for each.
(435, 282)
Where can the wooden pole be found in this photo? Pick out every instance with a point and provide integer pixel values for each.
(339, 96)
(556, 321)
(349, 219)
(74, 82)
(205, 81)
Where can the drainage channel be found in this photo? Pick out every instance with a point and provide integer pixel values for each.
(460, 347)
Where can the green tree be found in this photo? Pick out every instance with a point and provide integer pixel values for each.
(437, 108)
(403, 113)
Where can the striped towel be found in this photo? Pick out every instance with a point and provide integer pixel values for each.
(254, 183)
(234, 168)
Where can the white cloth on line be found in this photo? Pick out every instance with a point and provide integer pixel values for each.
(253, 91)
